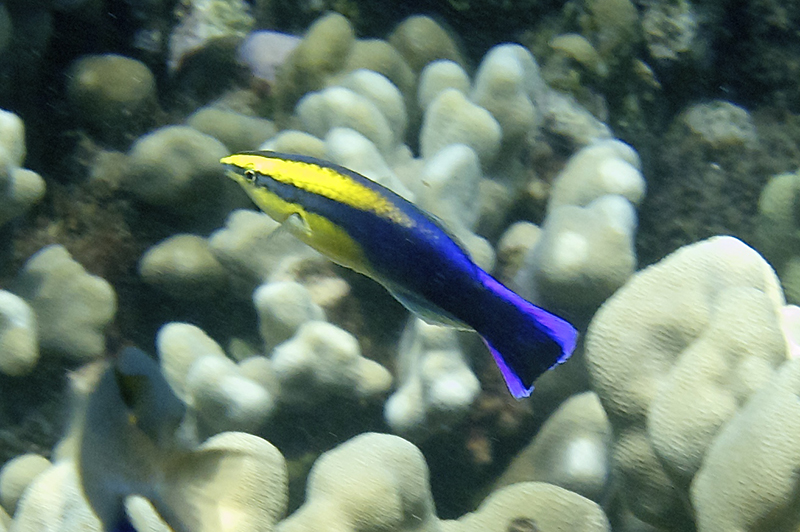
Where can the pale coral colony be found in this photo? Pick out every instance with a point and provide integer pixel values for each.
(606, 158)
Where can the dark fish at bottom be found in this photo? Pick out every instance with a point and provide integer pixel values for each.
(367, 227)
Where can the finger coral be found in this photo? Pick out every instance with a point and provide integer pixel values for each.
(19, 188)
(674, 355)
(19, 347)
(72, 306)
(373, 482)
(748, 480)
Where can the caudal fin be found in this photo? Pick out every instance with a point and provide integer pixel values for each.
(524, 340)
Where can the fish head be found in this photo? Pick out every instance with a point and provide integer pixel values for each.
(242, 169)
(255, 174)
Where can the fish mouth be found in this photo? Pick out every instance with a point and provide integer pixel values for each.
(231, 173)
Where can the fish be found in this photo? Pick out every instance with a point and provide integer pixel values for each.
(130, 443)
(141, 449)
(366, 227)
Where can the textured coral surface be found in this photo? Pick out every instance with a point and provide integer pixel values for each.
(173, 358)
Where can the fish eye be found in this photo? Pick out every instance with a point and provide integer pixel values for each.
(250, 175)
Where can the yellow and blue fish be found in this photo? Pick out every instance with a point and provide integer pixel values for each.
(367, 227)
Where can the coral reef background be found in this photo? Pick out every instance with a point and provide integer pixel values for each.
(631, 165)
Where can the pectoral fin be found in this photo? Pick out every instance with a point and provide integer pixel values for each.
(297, 226)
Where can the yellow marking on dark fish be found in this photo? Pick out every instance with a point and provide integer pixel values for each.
(320, 180)
(365, 226)
(311, 228)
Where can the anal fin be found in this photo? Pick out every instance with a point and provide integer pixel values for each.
(424, 309)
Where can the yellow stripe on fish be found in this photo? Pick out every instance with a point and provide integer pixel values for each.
(324, 181)
(365, 226)
(295, 178)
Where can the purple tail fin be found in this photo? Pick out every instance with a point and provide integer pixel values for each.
(524, 339)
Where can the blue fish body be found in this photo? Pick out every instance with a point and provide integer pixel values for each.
(367, 227)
